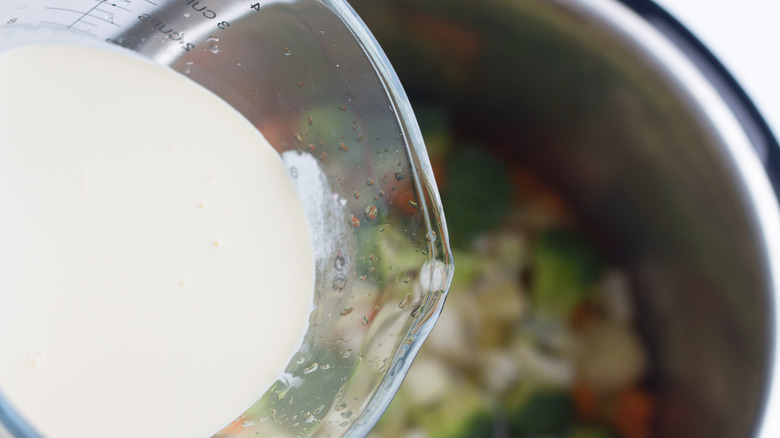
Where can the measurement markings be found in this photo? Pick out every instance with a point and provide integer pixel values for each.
(83, 22)
(107, 20)
(53, 24)
(60, 25)
(64, 9)
(121, 7)
(100, 2)
(151, 2)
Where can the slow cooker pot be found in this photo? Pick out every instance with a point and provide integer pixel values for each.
(657, 148)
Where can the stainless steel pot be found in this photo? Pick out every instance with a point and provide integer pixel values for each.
(656, 146)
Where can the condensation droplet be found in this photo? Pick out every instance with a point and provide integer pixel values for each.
(371, 212)
(287, 51)
(431, 236)
(187, 15)
(311, 368)
(213, 44)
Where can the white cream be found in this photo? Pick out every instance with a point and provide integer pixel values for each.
(156, 271)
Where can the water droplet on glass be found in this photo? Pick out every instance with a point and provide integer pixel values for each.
(371, 212)
(187, 15)
(213, 44)
(311, 368)
(287, 51)
(431, 236)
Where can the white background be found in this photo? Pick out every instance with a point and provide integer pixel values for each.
(745, 36)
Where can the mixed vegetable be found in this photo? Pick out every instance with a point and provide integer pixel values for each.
(537, 338)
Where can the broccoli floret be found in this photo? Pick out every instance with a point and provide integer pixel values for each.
(565, 267)
(477, 193)
(464, 414)
(590, 432)
(543, 413)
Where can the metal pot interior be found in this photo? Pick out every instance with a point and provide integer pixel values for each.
(612, 129)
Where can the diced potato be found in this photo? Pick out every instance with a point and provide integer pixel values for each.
(455, 335)
(427, 382)
(612, 356)
(542, 367)
(614, 297)
(501, 299)
(498, 370)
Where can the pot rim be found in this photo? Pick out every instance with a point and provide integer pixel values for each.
(748, 145)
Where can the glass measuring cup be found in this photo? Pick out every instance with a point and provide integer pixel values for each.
(382, 260)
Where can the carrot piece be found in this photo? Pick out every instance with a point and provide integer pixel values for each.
(635, 409)
(581, 316)
(586, 401)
